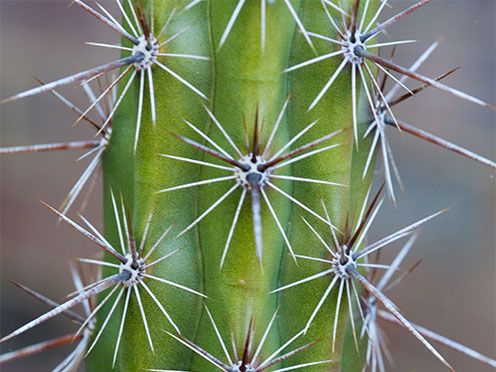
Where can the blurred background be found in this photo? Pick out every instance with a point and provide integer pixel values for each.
(453, 290)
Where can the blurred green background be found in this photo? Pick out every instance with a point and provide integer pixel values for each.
(452, 292)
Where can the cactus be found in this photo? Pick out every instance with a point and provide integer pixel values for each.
(237, 141)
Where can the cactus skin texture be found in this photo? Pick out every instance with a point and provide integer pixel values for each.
(241, 80)
(138, 177)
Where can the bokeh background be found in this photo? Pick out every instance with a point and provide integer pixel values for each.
(452, 292)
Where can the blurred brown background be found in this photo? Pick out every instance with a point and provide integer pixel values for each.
(452, 292)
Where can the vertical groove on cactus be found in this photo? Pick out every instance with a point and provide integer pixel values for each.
(247, 81)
